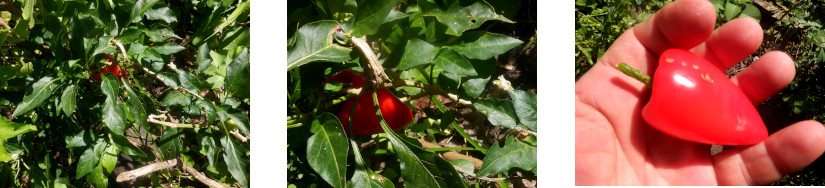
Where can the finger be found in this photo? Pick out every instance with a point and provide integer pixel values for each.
(786, 151)
(765, 77)
(681, 24)
(731, 43)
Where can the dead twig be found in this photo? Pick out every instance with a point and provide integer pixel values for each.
(148, 169)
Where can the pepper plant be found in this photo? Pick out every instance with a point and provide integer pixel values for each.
(440, 59)
(124, 93)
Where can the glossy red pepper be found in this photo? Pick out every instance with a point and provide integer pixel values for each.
(693, 100)
(365, 122)
(114, 69)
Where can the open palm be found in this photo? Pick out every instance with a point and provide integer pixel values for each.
(614, 146)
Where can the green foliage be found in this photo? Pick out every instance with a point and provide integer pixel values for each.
(186, 62)
(427, 48)
(600, 22)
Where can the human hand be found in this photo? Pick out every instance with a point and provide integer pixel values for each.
(614, 146)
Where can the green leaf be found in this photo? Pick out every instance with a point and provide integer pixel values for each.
(210, 149)
(175, 98)
(507, 8)
(28, 9)
(97, 177)
(160, 32)
(203, 57)
(87, 162)
(419, 167)
(127, 147)
(370, 15)
(368, 179)
(169, 79)
(140, 7)
(463, 164)
(109, 157)
(168, 48)
(162, 13)
(41, 90)
(9, 129)
(462, 18)
(237, 75)
(236, 161)
(170, 144)
(482, 45)
(4, 155)
(731, 10)
(449, 82)
(499, 112)
(232, 17)
(313, 42)
(751, 11)
(78, 140)
(68, 100)
(235, 115)
(526, 107)
(327, 149)
(451, 61)
(417, 52)
(137, 109)
(474, 87)
(514, 154)
(113, 115)
(189, 81)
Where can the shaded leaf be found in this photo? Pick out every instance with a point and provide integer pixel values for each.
(313, 42)
(170, 144)
(417, 52)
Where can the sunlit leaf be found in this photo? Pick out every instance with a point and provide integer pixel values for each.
(41, 90)
(314, 43)
(514, 154)
(327, 149)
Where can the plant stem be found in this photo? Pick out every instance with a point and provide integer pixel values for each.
(638, 75)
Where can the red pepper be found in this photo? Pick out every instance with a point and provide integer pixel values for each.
(114, 69)
(365, 122)
(693, 100)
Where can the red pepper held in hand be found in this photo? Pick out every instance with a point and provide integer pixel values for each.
(114, 69)
(365, 122)
(691, 99)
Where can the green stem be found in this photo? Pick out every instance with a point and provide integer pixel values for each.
(636, 74)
